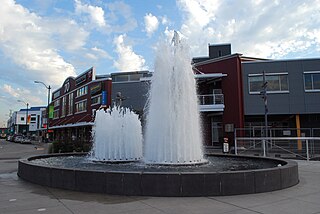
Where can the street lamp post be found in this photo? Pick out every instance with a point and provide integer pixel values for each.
(47, 87)
(265, 99)
(27, 104)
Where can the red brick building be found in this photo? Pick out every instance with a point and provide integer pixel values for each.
(220, 91)
(74, 104)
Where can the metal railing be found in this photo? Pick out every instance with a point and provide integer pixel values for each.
(211, 99)
(302, 147)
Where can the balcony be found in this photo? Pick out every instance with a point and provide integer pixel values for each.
(211, 102)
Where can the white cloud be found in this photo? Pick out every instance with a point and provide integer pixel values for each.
(164, 20)
(120, 12)
(68, 34)
(255, 28)
(127, 60)
(97, 53)
(114, 17)
(7, 89)
(151, 23)
(27, 40)
(96, 14)
(15, 93)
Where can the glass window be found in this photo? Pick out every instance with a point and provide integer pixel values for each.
(255, 83)
(121, 78)
(81, 106)
(276, 83)
(70, 104)
(284, 83)
(56, 103)
(82, 91)
(135, 77)
(64, 105)
(22, 118)
(273, 83)
(308, 81)
(56, 114)
(96, 100)
(316, 81)
(312, 81)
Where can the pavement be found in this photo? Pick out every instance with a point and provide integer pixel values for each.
(18, 196)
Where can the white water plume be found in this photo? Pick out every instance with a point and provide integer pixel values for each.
(173, 134)
(117, 136)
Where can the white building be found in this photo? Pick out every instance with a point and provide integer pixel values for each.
(23, 121)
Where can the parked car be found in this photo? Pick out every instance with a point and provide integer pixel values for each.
(25, 140)
(18, 138)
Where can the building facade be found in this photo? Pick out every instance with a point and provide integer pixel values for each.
(74, 104)
(26, 122)
(229, 92)
(293, 93)
(219, 77)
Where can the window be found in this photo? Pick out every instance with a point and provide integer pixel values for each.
(70, 104)
(96, 100)
(22, 118)
(33, 120)
(81, 106)
(121, 78)
(56, 114)
(312, 81)
(277, 83)
(135, 77)
(127, 77)
(82, 91)
(64, 105)
(56, 103)
(56, 94)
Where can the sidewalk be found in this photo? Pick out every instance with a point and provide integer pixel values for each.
(18, 196)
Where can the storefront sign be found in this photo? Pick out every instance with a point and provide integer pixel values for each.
(104, 98)
(95, 89)
(67, 87)
(51, 110)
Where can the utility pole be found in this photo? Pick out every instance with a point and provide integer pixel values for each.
(265, 99)
(27, 104)
(48, 107)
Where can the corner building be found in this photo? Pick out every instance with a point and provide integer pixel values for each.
(73, 106)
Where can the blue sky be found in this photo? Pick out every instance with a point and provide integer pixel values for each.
(49, 40)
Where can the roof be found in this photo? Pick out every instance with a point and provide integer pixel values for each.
(250, 59)
(211, 60)
(280, 60)
(38, 108)
(211, 75)
(129, 72)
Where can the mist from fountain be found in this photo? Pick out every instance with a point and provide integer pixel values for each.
(173, 134)
(117, 136)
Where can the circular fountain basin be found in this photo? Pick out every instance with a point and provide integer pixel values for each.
(223, 175)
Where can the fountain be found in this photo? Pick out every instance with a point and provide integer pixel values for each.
(117, 136)
(179, 141)
(173, 162)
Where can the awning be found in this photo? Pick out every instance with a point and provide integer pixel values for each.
(73, 125)
(209, 76)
